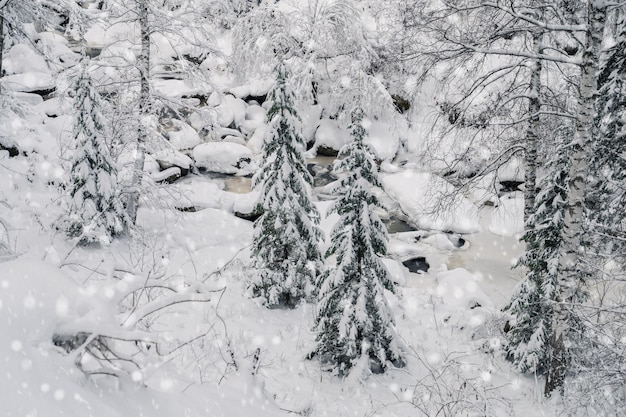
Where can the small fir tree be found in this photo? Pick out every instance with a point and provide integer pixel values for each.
(354, 320)
(285, 243)
(531, 306)
(94, 209)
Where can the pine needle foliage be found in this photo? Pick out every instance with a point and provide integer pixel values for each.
(607, 197)
(286, 236)
(95, 212)
(353, 318)
(531, 305)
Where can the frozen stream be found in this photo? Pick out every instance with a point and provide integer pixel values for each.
(490, 258)
(486, 255)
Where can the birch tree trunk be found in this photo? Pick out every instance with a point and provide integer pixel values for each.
(534, 107)
(1, 46)
(3, 5)
(143, 64)
(570, 274)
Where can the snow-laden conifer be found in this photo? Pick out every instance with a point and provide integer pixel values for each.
(607, 197)
(531, 305)
(353, 319)
(285, 245)
(94, 209)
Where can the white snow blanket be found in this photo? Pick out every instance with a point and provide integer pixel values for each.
(432, 202)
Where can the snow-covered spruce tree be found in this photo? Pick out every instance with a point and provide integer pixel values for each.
(285, 245)
(607, 196)
(570, 274)
(531, 305)
(353, 320)
(95, 211)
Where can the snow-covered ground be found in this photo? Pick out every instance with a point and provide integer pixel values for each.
(225, 354)
(447, 319)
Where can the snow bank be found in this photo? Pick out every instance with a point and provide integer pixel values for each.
(224, 157)
(460, 288)
(381, 138)
(205, 228)
(330, 135)
(204, 194)
(40, 380)
(508, 218)
(432, 202)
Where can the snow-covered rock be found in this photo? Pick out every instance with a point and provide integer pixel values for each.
(382, 139)
(150, 165)
(310, 122)
(460, 288)
(245, 204)
(256, 113)
(330, 137)
(29, 82)
(168, 175)
(184, 136)
(234, 139)
(224, 157)
(257, 139)
(231, 110)
(201, 118)
(55, 48)
(215, 99)
(255, 118)
(22, 58)
(179, 88)
(396, 271)
(255, 88)
(28, 98)
(168, 158)
(432, 202)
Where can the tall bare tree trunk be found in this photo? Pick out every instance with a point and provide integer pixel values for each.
(534, 107)
(1, 44)
(143, 64)
(570, 274)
